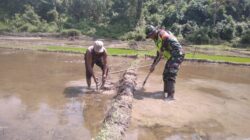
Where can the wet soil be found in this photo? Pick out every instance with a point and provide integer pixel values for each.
(40, 42)
(212, 102)
(44, 96)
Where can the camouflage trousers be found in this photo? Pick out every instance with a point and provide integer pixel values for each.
(169, 75)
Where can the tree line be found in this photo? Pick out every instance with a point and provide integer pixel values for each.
(197, 21)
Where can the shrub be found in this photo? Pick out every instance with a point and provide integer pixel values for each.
(226, 29)
(199, 36)
(176, 29)
(71, 33)
(137, 35)
(227, 33)
(189, 28)
(170, 19)
(87, 28)
(133, 36)
(112, 30)
(28, 21)
(4, 27)
(154, 19)
(52, 16)
(30, 16)
(52, 27)
(246, 38)
(26, 28)
(213, 33)
(240, 28)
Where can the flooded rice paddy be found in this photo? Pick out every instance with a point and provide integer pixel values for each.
(37, 101)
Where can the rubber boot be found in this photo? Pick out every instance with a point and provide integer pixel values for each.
(165, 93)
(170, 89)
(88, 83)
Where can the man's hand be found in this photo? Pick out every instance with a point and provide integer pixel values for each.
(103, 81)
(156, 61)
(96, 82)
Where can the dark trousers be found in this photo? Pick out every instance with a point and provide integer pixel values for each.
(169, 75)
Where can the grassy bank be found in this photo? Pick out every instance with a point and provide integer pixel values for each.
(121, 51)
(219, 58)
(111, 51)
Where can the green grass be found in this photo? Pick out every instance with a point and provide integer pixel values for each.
(219, 58)
(222, 46)
(111, 51)
(123, 51)
(3, 27)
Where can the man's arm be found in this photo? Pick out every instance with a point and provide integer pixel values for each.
(89, 63)
(156, 60)
(164, 36)
(105, 67)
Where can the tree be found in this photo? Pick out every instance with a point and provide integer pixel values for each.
(52, 16)
(227, 30)
(246, 38)
(197, 12)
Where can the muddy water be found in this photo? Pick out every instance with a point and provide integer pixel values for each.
(44, 96)
(36, 101)
(212, 102)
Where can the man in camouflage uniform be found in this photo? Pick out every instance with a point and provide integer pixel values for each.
(168, 47)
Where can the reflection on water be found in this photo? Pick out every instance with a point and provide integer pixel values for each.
(37, 103)
(44, 123)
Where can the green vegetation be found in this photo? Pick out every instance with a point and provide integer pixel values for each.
(196, 21)
(71, 32)
(222, 46)
(3, 27)
(130, 52)
(224, 24)
(219, 58)
(111, 51)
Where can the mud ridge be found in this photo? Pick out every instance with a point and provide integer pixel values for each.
(118, 117)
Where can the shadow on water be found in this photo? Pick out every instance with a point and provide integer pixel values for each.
(76, 91)
(141, 94)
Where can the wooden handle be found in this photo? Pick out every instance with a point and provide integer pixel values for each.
(146, 79)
